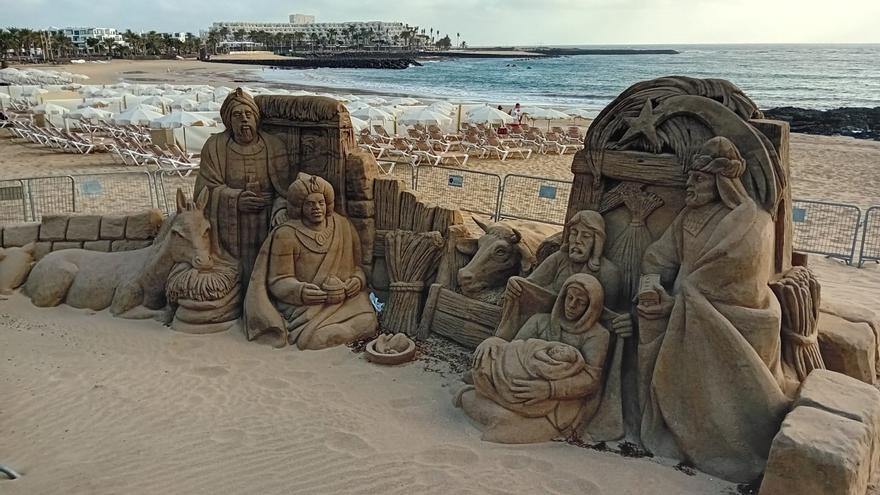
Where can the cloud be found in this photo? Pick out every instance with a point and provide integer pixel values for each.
(495, 22)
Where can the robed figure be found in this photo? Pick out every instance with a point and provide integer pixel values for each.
(308, 287)
(709, 353)
(247, 174)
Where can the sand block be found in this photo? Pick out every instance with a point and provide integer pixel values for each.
(366, 229)
(360, 169)
(361, 209)
(847, 347)
(19, 235)
(59, 245)
(41, 249)
(143, 225)
(54, 227)
(818, 453)
(847, 397)
(113, 227)
(855, 313)
(102, 245)
(129, 244)
(84, 228)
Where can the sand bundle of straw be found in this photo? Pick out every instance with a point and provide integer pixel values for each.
(629, 247)
(411, 259)
(799, 295)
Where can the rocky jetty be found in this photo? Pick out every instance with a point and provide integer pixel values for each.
(857, 122)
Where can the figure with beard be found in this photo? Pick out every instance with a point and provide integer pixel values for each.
(548, 380)
(582, 253)
(247, 174)
(709, 348)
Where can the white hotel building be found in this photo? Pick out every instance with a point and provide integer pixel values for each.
(79, 35)
(306, 24)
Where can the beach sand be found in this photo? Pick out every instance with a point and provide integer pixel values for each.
(92, 404)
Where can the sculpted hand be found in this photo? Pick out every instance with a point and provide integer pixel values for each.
(514, 286)
(251, 202)
(622, 325)
(531, 391)
(352, 287)
(657, 311)
(312, 294)
(486, 348)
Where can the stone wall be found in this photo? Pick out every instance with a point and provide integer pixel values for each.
(94, 232)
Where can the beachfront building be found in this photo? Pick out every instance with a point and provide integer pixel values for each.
(303, 30)
(79, 36)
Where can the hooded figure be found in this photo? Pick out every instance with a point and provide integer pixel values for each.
(307, 285)
(548, 380)
(582, 252)
(709, 352)
(247, 174)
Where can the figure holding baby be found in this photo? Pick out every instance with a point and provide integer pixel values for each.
(547, 381)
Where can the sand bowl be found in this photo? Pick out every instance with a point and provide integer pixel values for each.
(392, 355)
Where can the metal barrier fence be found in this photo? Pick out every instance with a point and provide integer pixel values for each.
(168, 181)
(826, 228)
(13, 201)
(468, 190)
(534, 198)
(47, 195)
(113, 193)
(870, 250)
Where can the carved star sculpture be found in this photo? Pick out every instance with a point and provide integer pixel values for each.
(644, 124)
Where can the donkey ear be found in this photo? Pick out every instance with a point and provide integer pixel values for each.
(181, 200)
(481, 224)
(202, 200)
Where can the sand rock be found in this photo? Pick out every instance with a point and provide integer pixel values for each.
(362, 209)
(113, 227)
(54, 228)
(144, 225)
(102, 245)
(847, 347)
(59, 245)
(15, 264)
(19, 235)
(84, 228)
(818, 453)
(855, 313)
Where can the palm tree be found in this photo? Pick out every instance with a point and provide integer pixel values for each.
(239, 35)
(457, 39)
(224, 33)
(298, 38)
(331, 35)
(212, 40)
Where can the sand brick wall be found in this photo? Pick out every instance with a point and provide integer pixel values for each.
(93, 232)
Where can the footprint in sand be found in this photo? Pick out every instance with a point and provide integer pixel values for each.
(566, 486)
(210, 371)
(445, 455)
(350, 443)
(519, 462)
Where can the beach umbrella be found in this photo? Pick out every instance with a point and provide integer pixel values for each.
(356, 105)
(222, 91)
(209, 106)
(157, 101)
(486, 114)
(423, 116)
(50, 109)
(171, 92)
(33, 91)
(182, 119)
(95, 103)
(405, 101)
(394, 111)
(375, 100)
(166, 86)
(107, 93)
(370, 113)
(582, 113)
(89, 113)
(150, 90)
(122, 85)
(357, 124)
(539, 113)
(79, 77)
(442, 107)
(185, 104)
(299, 92)
(352, 97)
(139, 114)
(72, 87)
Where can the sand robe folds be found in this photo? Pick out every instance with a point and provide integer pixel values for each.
(710, 377)
(227, 169)
(301, 256)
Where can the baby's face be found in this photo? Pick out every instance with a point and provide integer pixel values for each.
(563, 353)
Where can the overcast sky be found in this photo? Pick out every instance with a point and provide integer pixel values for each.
(487, 22)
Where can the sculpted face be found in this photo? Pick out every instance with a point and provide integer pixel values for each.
(244, 124)
(700, 189)
(576, 303)
(314, 209)
(581, 240)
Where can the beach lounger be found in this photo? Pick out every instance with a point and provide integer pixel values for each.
(424, 151)
(494, 145)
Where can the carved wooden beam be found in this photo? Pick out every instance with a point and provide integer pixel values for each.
(637, 166)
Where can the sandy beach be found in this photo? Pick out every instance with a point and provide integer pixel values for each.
(96, 405)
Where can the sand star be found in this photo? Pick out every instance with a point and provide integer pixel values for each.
(644, 124)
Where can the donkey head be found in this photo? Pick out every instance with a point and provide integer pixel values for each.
(190, 237)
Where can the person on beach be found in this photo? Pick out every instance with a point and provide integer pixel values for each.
(516, 113)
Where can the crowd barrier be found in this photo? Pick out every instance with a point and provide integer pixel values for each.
(820, 227)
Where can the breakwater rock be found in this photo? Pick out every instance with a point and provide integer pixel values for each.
(857, 122)
(331, 62)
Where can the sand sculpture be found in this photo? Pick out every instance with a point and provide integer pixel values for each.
(15, 264)
(247, 174)
(205, 301)
(130, 283)
(548, 380)
(308, 287)
(391, 349)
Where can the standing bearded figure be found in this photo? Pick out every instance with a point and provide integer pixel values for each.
(709, 353)
(247, 174)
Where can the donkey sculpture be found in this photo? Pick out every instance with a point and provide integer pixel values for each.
(130, 283)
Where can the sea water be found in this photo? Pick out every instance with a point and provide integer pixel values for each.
(809, 76)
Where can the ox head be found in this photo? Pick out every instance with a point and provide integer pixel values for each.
(190, 237)
(497, 255)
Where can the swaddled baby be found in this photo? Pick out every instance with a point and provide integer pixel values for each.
(502, 362)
